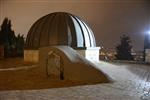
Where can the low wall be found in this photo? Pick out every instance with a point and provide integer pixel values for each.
(31, 56)
(90, 53)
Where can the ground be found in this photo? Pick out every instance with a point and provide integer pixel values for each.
(131, 82)
(19, 75)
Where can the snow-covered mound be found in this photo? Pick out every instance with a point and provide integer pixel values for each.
(66, 63)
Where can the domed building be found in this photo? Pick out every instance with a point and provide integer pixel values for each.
(61, 43)
(57, 29)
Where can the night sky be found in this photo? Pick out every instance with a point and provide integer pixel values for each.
(108, 19)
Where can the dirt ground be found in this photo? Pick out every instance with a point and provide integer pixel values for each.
(15, 74)
(13, 63)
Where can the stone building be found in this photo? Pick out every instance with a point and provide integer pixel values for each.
(147, 47)
(62, 45)
(60, 28)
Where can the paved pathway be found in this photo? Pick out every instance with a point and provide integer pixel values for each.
(131, 82)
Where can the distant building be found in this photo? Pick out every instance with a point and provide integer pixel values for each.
(107, 54)
(137, 55)
(147, 48)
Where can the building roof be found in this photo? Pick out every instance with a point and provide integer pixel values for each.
(60, 28)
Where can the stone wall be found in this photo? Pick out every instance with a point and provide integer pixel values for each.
(31, 56)
(90, 53)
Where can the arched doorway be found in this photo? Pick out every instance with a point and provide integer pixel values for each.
(54, 67)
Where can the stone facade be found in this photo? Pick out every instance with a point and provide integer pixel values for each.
(91, 53)
(31, 56)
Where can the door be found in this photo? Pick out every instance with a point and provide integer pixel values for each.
(53, 65)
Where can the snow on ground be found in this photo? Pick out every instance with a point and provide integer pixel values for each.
(131, 82)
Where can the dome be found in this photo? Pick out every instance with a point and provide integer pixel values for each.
(60, 28)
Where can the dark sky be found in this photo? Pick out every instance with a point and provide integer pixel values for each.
(108, 19)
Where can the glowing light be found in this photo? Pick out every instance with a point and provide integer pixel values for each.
(148, 32)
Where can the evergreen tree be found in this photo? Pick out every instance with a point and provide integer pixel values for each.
(7, 37)
(124, 49)
(12, 44)
(20, 44)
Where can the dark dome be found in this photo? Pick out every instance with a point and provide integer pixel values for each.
(60, 28)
